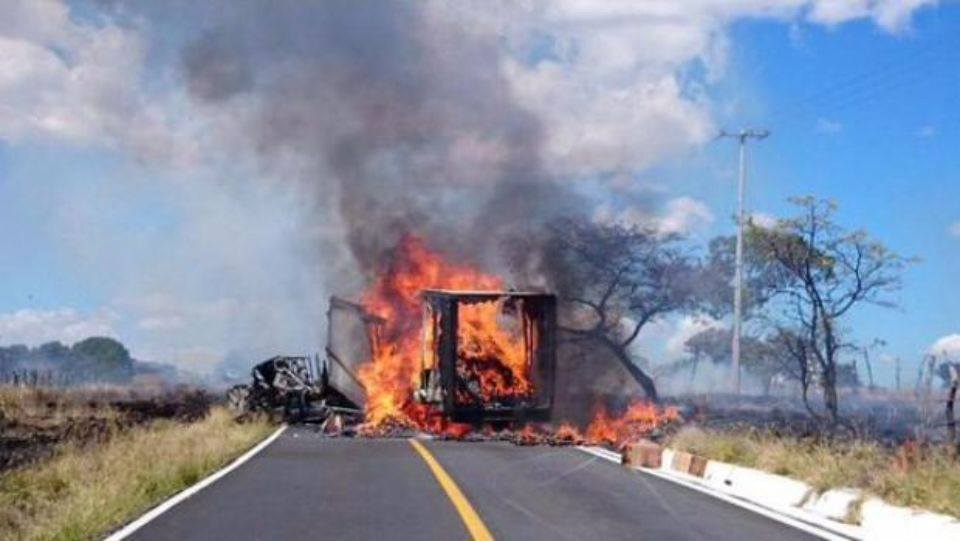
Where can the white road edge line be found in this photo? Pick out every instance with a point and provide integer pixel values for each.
(750, 506)
(193, 489)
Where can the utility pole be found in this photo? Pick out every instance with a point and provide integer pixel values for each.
(741, 138)
(866, 360)
(898, 373)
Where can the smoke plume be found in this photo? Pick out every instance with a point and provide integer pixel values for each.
(399, 121)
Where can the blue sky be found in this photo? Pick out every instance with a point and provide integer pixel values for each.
(879, 137)
(113, 224)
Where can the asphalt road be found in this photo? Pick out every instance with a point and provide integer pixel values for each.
(306, 487)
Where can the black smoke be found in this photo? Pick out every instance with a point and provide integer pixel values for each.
(397, 120)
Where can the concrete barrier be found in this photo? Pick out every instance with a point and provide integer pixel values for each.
(681, 461)
(772, 490)
(698, 466)
(717, 474)
(644, 454)
(747, 483)
(666, 460)
(884, 522)
(836, 504)
(684, 462)
(879, 521)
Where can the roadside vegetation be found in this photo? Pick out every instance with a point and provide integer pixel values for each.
(923, 476)
(87, 488)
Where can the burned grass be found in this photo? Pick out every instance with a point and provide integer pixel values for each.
(35, 422)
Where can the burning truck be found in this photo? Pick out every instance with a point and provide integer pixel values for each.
(480, 357)
(443, 348)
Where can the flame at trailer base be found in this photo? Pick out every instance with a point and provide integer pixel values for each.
(638, 421)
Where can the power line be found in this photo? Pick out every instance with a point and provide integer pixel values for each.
(889, 74)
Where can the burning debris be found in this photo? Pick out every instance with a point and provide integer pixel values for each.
(640, 420)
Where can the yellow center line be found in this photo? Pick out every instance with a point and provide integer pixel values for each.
(478, 531)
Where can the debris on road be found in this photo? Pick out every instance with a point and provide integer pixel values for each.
(298, 387)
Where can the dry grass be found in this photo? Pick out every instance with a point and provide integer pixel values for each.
(35, 422)
(925, 477)
(84, 492)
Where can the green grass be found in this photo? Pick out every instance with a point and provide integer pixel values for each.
(83, 493)
(924, 477)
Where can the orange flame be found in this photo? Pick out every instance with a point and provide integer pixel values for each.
(638, 421)
(491, 354)
(568, 433)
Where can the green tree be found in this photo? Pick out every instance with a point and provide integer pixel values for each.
(53, 352)
(818, 274)
(102, 358)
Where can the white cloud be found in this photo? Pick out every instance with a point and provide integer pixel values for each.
(825, 125)
(832, 13)
(628, 127)
(611, 88)
(891, 15)
(685, 214)
(680, 215)
(68, 325)
(948, 345)
(763, 219)
(610, 85)
(78, 82)
(927, 131)
(954, 229)
(160, 323)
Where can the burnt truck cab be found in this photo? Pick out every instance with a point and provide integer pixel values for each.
(472, 384)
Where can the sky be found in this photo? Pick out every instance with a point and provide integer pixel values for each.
(136, 202)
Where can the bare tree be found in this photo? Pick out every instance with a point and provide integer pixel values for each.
(614, 280)
(868, 364)
(796, 360)
(822, 273)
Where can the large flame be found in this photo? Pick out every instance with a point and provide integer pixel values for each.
(491, 354)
